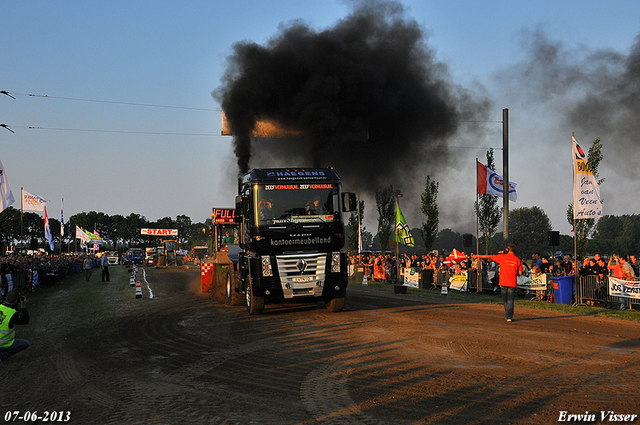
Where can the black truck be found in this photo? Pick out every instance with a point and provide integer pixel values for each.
(291, 236)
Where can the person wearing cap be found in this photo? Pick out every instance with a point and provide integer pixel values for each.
(510, 268)
(9, 318)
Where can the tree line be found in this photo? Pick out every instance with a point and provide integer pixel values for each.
(529, 227)
(118, 232)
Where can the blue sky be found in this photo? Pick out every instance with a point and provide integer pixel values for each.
(113, 154)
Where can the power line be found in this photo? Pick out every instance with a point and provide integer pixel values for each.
(157, 133)
(117, 131)
(114, 102)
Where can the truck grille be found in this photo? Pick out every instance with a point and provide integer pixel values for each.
(302, 274)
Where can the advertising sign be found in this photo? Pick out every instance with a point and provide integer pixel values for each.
(223, 215)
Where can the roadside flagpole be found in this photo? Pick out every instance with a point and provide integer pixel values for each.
(359, 248)
(479, 265)
(21, 211)
(62, 226)
(575, 235)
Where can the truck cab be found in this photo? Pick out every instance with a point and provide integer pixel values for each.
(291, 235)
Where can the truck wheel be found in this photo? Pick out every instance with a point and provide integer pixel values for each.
(255, 305)
(335, 305)
(232, 297)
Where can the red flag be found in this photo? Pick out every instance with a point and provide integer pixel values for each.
(455, 257)
(482, 178)
(47, 229)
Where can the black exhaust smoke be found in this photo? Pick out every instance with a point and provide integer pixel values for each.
(368, 95)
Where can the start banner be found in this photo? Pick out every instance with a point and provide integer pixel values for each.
(159, 232)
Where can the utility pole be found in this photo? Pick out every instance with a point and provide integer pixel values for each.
(505, 172)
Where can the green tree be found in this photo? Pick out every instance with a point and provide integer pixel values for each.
(429, 228)
(9, 226)
(447, 240)
(608, 227)
(528, 229)
(183, 224)
(385, 203)
(131, 229)
(584, 227)
(488, 211)
(354, 221)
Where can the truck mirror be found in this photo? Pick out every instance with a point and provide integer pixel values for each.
(239, 210)
(349, 201)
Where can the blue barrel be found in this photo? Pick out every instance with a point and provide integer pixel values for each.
(562, 289)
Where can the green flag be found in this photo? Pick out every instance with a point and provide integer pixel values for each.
(403, 235)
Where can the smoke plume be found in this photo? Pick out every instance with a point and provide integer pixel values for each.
(368, 95)
(594, 93)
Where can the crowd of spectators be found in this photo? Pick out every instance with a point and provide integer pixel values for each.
(390, 263)
(558, 266)
(25, 271)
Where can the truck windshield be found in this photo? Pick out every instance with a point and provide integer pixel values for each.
(297, 203)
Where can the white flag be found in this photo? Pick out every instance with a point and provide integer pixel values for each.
(491, 183)
(6, 196)
(81, 234)
(586, 192)
(32, 202)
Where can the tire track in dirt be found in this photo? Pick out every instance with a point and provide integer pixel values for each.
(386, 359)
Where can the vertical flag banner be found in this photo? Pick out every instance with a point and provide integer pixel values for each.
(490, 183)
(586, 192)
(62, 219)
(33, 202)
(80, 234)
(403, 234)
(6, 196)
(47, 229)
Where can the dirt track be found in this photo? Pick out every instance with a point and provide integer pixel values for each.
(183, 358)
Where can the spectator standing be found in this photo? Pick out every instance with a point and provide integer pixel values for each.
(510, 268)
(545, 265)
(536, 260)
(616, 268)
(104, 263)
(601, 268)
(87, 265)
(589, 267)
(633, 260)
(627, 274)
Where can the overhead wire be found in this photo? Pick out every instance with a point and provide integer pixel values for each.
(46, 96)
(115, 102)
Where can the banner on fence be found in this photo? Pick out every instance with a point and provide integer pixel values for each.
(378, 272)
(538, 283)
(411, 277)
(624, 288)
(458, 281)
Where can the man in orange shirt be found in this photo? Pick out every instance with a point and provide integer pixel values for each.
(616, 268)
(510, 268)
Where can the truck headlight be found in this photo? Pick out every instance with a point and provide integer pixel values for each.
(335, 262)
(266, 267)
